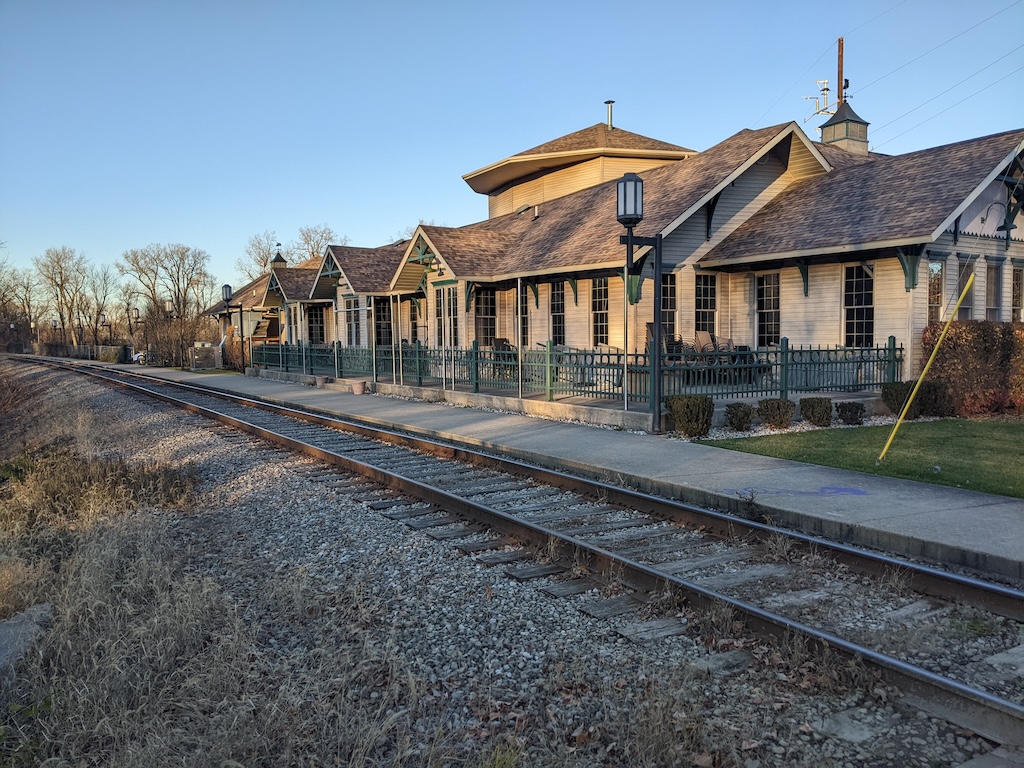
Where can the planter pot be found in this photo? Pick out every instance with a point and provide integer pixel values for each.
(358, 387)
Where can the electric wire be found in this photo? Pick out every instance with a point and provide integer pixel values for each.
(951, 106)
(823, 54)
(940, 45)
(943, 93)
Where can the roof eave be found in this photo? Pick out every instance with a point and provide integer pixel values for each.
(805, 253)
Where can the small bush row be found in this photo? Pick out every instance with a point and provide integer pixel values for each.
(692, 414)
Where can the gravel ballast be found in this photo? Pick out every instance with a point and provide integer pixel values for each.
(360, 618)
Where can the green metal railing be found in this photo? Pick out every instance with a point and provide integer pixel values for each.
(556, 372)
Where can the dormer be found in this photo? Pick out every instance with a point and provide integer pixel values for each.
(568, 164)
(846, 130)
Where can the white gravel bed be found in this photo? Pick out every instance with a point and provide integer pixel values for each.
(495, 660)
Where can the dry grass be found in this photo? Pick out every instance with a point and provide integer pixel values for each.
(149, 662)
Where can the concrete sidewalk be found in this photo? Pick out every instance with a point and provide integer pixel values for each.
(978, 531)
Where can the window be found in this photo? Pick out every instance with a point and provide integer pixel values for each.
(993, 291)
(599, 309)
(315, 323)
(353, 334)
(486, 316)
(1017, 302)
(704, 302)
(936, 290)
(668, 303)
(446, 302)
(859, 305)
(768, 315)
(414, 317)
(967, 305)
(382, 321)
(558, 313)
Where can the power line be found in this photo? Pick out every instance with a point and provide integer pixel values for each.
(940, 45)
(976, 93)
(933, 98)
(815, 62)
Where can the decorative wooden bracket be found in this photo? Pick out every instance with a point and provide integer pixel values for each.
(910, 258)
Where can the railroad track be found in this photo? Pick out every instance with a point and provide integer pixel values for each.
(642, 548)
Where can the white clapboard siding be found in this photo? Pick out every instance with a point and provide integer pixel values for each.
(565, 181)
(738, 202)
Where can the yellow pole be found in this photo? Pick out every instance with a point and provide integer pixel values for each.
(910, 400)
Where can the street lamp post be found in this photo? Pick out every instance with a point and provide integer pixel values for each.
(630, 212)
(110, 332)
(227, 294)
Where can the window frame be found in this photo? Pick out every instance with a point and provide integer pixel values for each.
(556, 304)
(936, 298)
(993, 289)
(705, 302)
(767, 317)
(858, 306)
(599, 305)
(485, 307)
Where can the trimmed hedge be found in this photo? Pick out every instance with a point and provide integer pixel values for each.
(981, 363)
(850, 412)
(776, 412)
(691, 414)
(817, 410)
(739, 417)
(933, 399)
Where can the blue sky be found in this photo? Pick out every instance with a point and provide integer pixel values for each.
(204, 122)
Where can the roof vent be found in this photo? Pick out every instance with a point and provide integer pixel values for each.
(609, 103)
(521, 209)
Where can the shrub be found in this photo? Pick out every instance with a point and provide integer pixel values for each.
(691, 414)
(981, 363)
(739, 417)
(933, 399)
(850, 412)
(817, 410)
(776, 412)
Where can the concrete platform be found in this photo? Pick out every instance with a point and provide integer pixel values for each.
(981, 532)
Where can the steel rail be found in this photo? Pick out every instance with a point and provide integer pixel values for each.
(997, 598)
(995, 718)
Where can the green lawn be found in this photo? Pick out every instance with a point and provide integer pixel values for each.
(982, 455)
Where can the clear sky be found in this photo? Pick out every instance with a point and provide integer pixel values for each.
(204, 122)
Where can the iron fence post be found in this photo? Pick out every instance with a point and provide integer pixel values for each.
(419, 363)
(474, 369)
(784, 369)
(890, 361)
(549, 371)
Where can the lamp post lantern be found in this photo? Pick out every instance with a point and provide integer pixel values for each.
(630, 212)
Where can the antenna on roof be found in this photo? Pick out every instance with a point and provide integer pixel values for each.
(609, 103)
(821, 105)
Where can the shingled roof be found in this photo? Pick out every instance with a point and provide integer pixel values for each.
(580, 231)
(295, 283)
(600, 136)
(590, 143)
(368, 270)
(887, 202)
(250, 296)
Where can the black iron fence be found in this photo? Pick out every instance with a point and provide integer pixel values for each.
(557, 372)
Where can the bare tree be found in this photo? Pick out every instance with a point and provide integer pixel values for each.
(63, 273)
(177, 285)
(313, 241)
(101, 287)
(258, 255)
